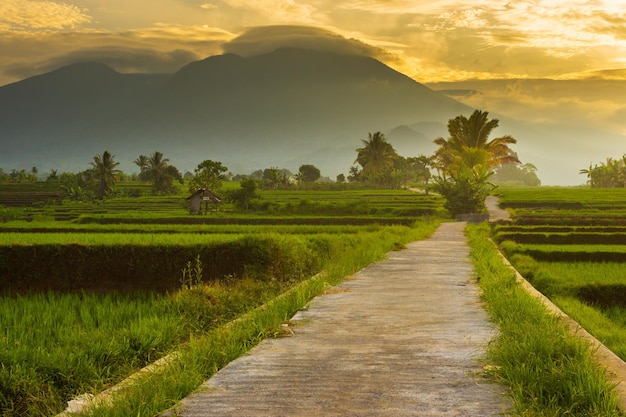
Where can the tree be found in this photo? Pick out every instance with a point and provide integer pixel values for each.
(271, 177)
(157, 170)
(514, 174)
(209, 174)
(53, 176)
(466, 160)
(611, 173)
(310, 173)
(104, 173)
(246, 192)
(341, 178)
(376, 155)
(466, 191)
(143, 162)
(469, 144)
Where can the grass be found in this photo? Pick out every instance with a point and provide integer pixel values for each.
(89, 342)
(548, 372)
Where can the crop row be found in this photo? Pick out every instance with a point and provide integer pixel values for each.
(155, 265)
(90, 340)
(571, 244)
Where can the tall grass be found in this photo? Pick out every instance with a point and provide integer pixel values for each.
(549, 372)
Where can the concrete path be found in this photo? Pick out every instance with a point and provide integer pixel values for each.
(402, 337)
(495, 212)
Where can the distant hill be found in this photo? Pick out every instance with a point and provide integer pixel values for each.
(284, 108)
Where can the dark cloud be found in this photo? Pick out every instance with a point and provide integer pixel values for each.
(266, 39)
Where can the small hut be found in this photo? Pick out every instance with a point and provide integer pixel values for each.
(202, 195)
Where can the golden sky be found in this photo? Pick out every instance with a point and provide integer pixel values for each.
(524, 45)
(429, 40)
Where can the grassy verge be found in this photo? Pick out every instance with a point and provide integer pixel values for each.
(549, 372)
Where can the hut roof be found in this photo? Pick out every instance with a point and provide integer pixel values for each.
(205, 193)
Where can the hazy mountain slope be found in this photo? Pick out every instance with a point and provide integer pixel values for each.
(274, 109)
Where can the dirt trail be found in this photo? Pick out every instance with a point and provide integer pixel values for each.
(403, 337)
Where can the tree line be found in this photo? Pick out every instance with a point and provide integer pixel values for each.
(463, 165)
(609, 174)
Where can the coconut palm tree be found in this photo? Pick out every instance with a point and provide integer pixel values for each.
(376, 155)
(160, 173)
(469, 144)
(104, 173)
(143, 162)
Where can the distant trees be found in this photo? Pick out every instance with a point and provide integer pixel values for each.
(157, 170)
(515, 174)
(380, 165)
(103, 174)
(466, 160)
(209, 174)
(376, 156)
(19, 176)
(309, 173)
(609, 174)
(247, 191)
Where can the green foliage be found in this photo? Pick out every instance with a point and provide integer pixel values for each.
(103, 174)
(89, 343)
(247, 191)
(209, 174)
(465, 192)
(465, 161)
(157, 170)
(192, 274)
(309, 173)
(548, 371)
(609, 174)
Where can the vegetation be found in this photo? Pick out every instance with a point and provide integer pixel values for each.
(549, 372)
(569, 243)
(157, 170)
(516, 175)
(466, 160)
(208, 175)
(609, 174)
(127, 255)
(104, 173)
(381, 165)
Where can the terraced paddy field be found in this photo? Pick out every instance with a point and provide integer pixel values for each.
(94, 291)
(570, 243)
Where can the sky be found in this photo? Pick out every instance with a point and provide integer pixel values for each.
(463, 43)
(433, 40)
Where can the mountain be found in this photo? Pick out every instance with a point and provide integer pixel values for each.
(285, 108)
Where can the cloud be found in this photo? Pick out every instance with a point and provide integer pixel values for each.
(40, 15)
(576, 103)
(269, 38)
(161, 49)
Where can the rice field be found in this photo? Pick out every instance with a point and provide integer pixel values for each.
(93, 291)
(570, 243)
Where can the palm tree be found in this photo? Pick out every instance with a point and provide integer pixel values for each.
(590, 175)
(469, 144)
(376, 155)
(105, 172)
(160, 173)
(143, 162)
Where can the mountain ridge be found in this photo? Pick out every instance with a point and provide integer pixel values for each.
(249, 112)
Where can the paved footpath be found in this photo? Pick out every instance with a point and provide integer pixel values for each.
(402, 337)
